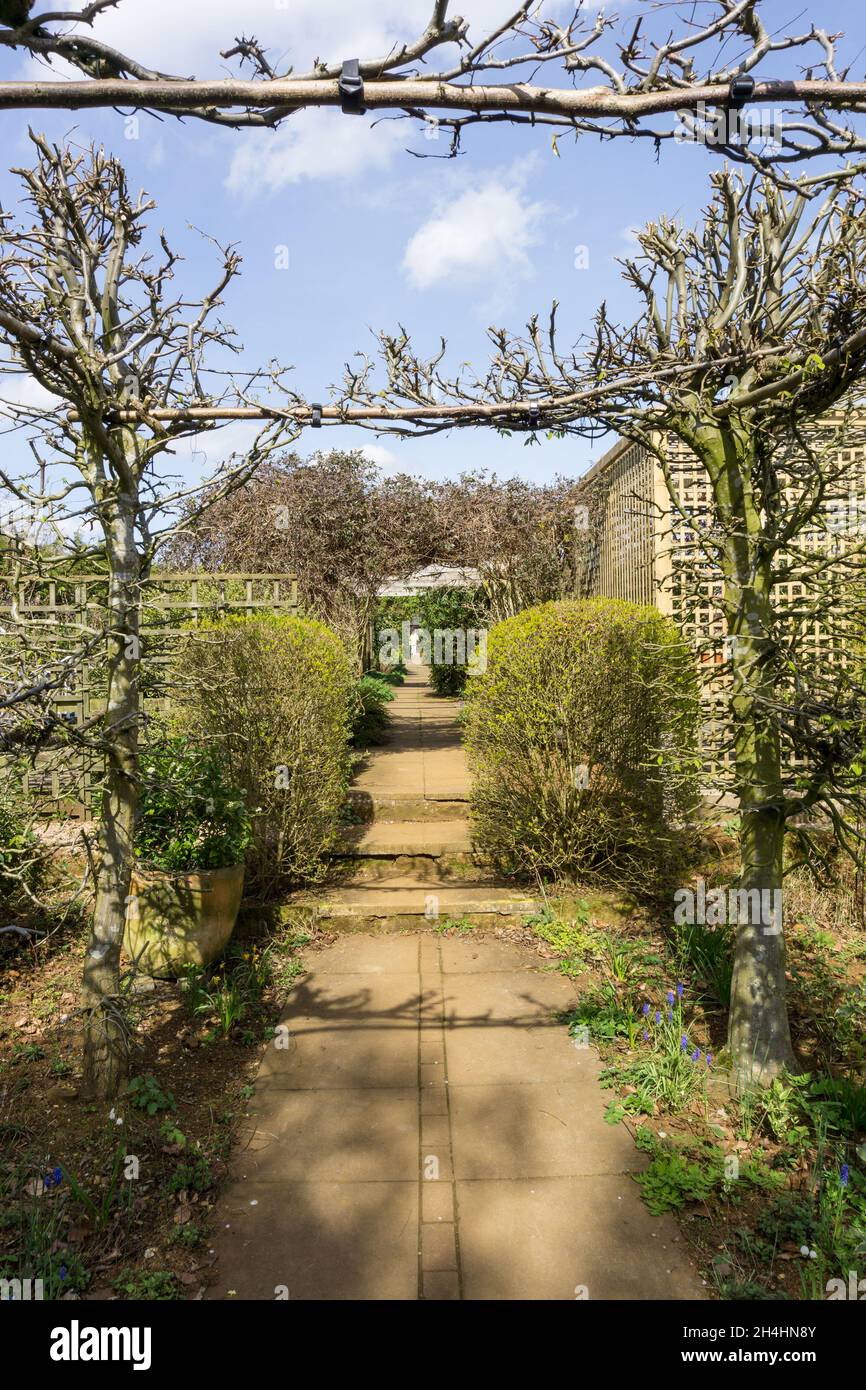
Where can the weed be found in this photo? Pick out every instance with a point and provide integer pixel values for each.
(146, 1094)
(157, 1286)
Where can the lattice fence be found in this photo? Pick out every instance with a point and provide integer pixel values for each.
(644, 550)
(55, 614)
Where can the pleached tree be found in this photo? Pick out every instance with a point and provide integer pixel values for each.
(88, 311)
(746, 360)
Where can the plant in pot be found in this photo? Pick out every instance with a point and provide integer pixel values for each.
(192, 834)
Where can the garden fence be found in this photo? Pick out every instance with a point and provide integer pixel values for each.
(56, 612)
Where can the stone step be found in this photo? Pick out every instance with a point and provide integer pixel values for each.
(416, 837)
(398, 905)
(399, 807)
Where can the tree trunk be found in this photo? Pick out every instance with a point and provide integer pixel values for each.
(759, 1035)
(106, 1038)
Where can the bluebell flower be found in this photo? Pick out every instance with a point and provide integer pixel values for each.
(684, 1042)
(843, 1175)
(63, 1271)
(658, 1017)
(670, 996)
(709, 1059)
(696, 1055)
(645, 1035)
(645, 1010)
(670, 1015)
(681, 989)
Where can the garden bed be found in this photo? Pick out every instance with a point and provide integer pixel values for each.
(114, 1201)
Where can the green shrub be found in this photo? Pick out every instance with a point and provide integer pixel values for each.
(22, 862)
(582, 738)
(274, 694)
(370, 717)
(189, 817)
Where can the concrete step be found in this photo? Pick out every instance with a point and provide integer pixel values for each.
(382, 838)
(399, 807)
(398, 905)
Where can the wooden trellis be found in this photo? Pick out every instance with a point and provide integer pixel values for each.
(641, 549)
(58, 612)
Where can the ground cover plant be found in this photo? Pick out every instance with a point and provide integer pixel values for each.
(768, 1184)
(115, 1201)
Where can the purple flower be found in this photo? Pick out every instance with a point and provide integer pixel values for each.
(645, 1010)
(681, 989)
(696, 1055)
(684, 1042)
(63, 1271)
(709, 1059)
(670, 996)
(645, 1035)
(670, 1015)
(658, 1017)
(843, 1175)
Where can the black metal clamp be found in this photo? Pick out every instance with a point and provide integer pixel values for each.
(351, 88)
(741, 90)
(315, 415)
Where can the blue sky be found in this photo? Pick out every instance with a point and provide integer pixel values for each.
(375, 237)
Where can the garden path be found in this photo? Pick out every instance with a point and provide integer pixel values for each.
(423, 1126)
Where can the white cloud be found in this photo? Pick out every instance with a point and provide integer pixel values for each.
(485, 233)
(378, 454)
(312, 145)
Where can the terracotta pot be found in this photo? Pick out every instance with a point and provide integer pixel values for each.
(174, 920)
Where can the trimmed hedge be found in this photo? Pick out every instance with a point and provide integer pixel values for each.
(275, 695)
(582, 740)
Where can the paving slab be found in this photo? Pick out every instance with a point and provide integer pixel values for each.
(546, 1129)
(568, 1238)
(318, 1240)
(354, 1135)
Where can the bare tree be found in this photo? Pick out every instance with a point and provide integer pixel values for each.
(88, 311)
(701, 60)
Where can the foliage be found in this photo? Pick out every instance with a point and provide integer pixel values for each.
(370, 719)
(231, 994)
(273, 694)
(672, 1179)
(189, 816)
(708, 952)
(329, 519)
(581, 738)
(146, 1094)
(155, 1286)
(451, 610)
(22, 863)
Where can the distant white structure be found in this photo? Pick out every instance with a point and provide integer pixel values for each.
(431, 577)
